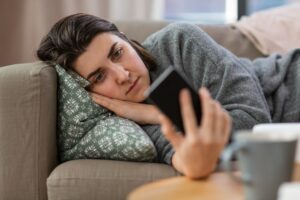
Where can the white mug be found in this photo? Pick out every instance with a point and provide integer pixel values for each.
(265, 161)
(281, 129)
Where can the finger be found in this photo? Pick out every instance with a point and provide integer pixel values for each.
(187, 112)
(208, 112)
(103, 101)
(169, 131)
(219, 120)
(227, 125)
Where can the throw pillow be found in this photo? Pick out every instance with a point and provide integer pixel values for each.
(87, 130)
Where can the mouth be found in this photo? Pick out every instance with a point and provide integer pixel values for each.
(133, 85)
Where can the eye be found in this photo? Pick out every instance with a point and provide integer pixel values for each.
(99, 77)
(117, 54)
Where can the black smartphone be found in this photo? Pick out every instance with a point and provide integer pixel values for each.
(164, 93)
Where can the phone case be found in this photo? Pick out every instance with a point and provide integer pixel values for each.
(164, 92)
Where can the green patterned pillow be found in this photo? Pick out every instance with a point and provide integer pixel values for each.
(87, 130)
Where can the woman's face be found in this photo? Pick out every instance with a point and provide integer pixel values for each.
(113, 68)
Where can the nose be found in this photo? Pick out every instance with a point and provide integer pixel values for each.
(121, 74)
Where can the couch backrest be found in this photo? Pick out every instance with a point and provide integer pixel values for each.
(226, 35)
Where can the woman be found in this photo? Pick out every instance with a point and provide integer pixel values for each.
(120, 70)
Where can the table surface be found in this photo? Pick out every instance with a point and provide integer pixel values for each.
(218, 186)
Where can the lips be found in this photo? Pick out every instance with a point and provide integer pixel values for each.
(133, 85)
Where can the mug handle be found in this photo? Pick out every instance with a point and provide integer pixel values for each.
(226, 162)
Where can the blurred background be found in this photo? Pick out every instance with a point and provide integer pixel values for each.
(23, 23)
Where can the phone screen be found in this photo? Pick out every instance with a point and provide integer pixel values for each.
(164, 93)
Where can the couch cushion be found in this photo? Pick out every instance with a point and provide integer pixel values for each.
(102, 179)
(87, 130)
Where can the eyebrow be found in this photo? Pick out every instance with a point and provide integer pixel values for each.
(111, 51)
(112, 48)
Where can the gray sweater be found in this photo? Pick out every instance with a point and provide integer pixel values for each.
(238, 84)
(279, 77)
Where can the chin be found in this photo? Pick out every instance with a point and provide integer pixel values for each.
(139, 99)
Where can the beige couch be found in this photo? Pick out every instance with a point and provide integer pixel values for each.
(28, 154)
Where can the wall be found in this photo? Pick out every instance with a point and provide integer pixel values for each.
(23, 23)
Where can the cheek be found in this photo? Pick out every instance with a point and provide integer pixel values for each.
(137, 64)
(106, 89)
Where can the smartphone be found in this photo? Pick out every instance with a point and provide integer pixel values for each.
(164, 93)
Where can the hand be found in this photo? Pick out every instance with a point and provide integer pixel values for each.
(138, 112)
(196, 153)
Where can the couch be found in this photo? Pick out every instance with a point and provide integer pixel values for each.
(29, 168)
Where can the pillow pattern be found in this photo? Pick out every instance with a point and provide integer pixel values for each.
(87, 130)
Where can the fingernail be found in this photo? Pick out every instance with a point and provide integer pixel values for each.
(204, 91)
(163, 128)
(160, 117)
(92, 96)
(184, 92)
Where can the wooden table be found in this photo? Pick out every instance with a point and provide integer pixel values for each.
(218, 186)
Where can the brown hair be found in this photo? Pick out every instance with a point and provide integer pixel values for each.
(70, 36)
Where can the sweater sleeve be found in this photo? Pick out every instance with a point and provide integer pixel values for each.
(162, 145)
(230, 81)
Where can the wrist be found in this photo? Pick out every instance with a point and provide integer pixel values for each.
(193, 170)
(153, 113)
(176, 164)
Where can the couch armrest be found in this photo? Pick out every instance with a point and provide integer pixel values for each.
(28, 150)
